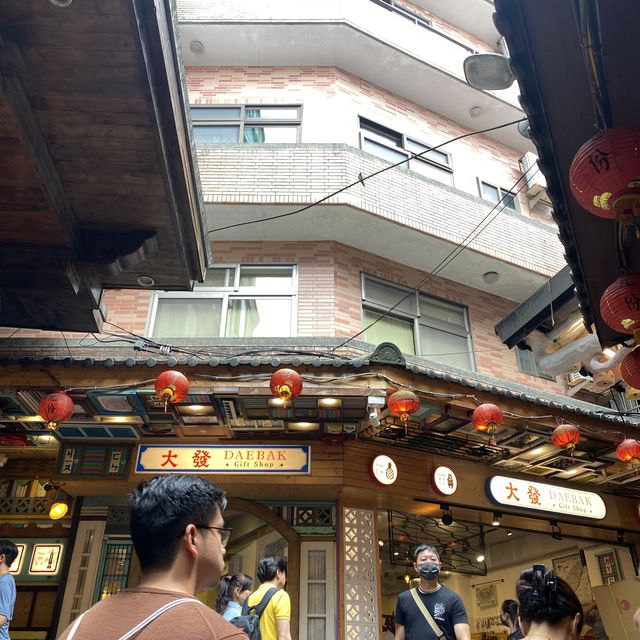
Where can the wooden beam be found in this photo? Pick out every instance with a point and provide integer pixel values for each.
(14, 96)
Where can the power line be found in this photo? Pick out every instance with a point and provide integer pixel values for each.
(361, 179)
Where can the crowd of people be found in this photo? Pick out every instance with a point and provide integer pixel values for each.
(179, 535)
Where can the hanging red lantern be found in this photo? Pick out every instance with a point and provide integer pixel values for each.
(629, 451)
(630, 369)
(487, 417)
(604, 175)
(286, 384)
(13, 440)
(620, 304)
(403, 404)
(565, 436)
(172, 386)
(55, 408)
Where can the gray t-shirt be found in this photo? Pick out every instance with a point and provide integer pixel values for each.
(7, 601)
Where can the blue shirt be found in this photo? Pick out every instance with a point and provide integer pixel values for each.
(232, 611)
(7, 600)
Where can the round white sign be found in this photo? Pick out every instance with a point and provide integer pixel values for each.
(384, 470)
(444, 481)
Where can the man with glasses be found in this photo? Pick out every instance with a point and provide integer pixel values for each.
(179, 536)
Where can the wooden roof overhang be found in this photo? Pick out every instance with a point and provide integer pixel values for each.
(98, 178)
(547, 58)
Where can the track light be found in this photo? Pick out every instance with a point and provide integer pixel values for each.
(480, 557)
(556, 532)
(496, 519)
(447, 516)
(509, 532)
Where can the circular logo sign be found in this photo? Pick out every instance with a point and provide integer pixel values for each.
(384, 470)
(444, 481)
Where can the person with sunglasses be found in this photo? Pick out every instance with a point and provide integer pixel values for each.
(179, 536)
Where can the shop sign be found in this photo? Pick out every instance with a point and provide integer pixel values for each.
(444, 481)
(269, 459)
(525, 494)
(384, 470)
(45, 559)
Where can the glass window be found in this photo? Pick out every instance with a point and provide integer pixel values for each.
(441, 327)
(490, 193)
(234, 301)
(527, 364)
(382, 151)
(493, 194)
(251, 124)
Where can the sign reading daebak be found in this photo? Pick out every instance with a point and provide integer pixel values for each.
(525, 494)
(384, 470)
(285, 458)
(444, 481)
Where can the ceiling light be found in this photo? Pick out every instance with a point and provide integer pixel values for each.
(488, 71)
(276, 402)
(474, 112)
(396, 553)
(407, 578)
(609, 353)
(381, 543)
(496, 519)
(537, 451)
(196, 46)
(61, 3)
(509, 532)
(329, 402)
(145, 281)
(303, 426)
(480, 557)
(491, 277)
(195, 410)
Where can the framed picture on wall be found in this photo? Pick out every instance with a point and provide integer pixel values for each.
(609, 567)
(486, 595)
(571, 569)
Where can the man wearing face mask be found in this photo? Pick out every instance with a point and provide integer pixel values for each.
(430, 611)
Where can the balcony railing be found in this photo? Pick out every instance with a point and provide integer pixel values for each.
(12, 506)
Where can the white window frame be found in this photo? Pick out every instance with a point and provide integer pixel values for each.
(405, 150)
(236, 292)
(502, 192)
(241, 121)
(332, 588)
(418, 320)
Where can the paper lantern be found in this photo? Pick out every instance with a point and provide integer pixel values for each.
(172, 386)
(487, 417)
(565, 436)
(55, 408)
(630, 368)
(403, 404)
(629, 451)
(604, 175)
(620, 304)
(286, 384)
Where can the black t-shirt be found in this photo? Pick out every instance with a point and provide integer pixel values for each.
(444, 605)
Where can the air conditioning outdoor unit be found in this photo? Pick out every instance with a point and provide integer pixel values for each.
(599, 383)
(536, 182)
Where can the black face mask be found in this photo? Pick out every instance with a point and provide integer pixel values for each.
(428, 570)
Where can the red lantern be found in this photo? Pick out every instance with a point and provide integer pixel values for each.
(172, 386)
(565, 436)
(13, 440)
(629, 451)
(620, 304)
(604, 175)
(55, 407)
(286, 384)
(630, 369)
(487, 417)
(403, 404)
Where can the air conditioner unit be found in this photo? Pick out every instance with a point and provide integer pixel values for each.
(536, 182)
(598, 384)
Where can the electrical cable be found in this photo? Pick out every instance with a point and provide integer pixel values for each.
(361, 180)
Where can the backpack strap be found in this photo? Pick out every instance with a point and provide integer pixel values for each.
(261, 606)
(425, 612)
(141, 625)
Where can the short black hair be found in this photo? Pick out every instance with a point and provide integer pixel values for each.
(9, 550)
(269, 566)
(510, 607)
(162, 508)
(424, 547)
(544, 597)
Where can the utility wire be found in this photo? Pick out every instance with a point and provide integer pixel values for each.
(361, 179)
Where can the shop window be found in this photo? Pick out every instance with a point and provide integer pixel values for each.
(495, 195)
(235, 301)
(394, 146)
(251, 124)
(527, 364)
(418, 325)
(114, 570)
